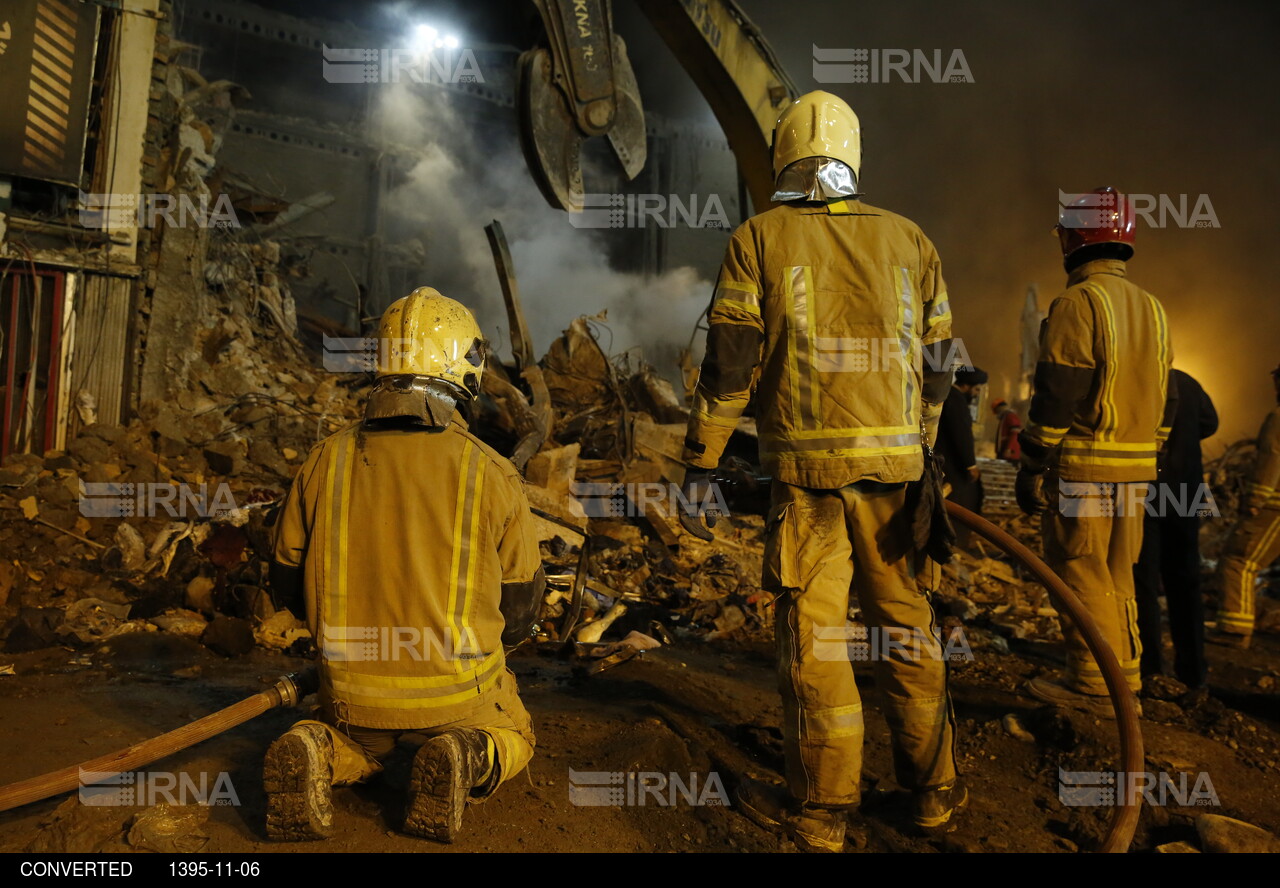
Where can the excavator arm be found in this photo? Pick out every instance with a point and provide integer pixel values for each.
(579, 84)
(737, 72)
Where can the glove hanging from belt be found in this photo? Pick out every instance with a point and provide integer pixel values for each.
(931, 528)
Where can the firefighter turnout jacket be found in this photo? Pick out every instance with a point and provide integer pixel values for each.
(1103, 401)
(837, 315)
(417, 552)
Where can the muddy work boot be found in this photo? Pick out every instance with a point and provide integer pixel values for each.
(772, 808)
(445, 772)
(1060, 695)
(932, 809)
(296, 775)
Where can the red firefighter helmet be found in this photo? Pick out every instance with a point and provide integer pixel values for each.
(1100, 216)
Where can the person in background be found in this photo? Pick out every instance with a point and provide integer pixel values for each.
(1255, 540)
(1007, 427)
(956, 445)
(1170, 555)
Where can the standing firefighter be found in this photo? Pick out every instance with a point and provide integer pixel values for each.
(409, 544)
(1100, 411)
(1255, 541)
(829, 308)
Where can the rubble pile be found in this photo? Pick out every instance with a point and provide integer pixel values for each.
(162, 524)
(607, 480)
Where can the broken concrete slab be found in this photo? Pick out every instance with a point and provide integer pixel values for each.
(1227, 835)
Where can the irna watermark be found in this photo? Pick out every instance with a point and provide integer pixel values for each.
(634, 500)
(108, 499)
(405, 643)
(1092, 789)
(655, 210)
(148, 788)
(436, 64)
(646, 788)
(856, 643)
(1102, 499)
(112, 211)
(1096, 210)
(890, 65)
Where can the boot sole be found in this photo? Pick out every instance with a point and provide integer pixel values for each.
(437, 795)
(299, 799)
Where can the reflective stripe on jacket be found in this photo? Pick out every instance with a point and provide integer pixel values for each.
(837, 316)
(1103, 401)
(406, 538)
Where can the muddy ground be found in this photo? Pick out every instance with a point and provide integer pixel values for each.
(696, 708)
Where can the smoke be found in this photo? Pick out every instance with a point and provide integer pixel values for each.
(468, 172)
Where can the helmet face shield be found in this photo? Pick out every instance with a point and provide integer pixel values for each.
(816, 178)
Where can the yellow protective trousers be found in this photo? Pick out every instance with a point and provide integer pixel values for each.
(1254, 544)
(823, 546)
(357, 751)
(1092, 539)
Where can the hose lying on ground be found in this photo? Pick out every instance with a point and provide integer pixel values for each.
(1124, 818)
(288, 691)
(292, 688)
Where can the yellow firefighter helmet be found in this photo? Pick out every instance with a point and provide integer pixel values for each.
(818, 124)
(426, 334)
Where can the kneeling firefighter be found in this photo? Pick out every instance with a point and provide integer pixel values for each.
(409, 545)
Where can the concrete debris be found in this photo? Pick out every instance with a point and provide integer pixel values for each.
(281, 631)
(133, 549)
(602, 656)
(91, 620)
(181, 621)
(170, 829)
(79, 828)
(1013, 725)
(1227, 835)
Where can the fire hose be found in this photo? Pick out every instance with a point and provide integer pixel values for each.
(288, 691)
(1124, 817)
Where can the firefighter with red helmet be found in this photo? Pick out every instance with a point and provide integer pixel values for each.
(1100, 411)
